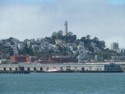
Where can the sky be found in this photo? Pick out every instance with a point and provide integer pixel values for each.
(27, 19)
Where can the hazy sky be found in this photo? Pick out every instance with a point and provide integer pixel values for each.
(23, 19)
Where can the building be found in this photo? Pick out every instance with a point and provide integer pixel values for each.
(115, 47)
(15, 50)
(59, 42)
(20, 45)
(46, 60)
(64, 59)
(24, 59)
(31, 59)
(112, 67)
(76, 67)
(118, 58)
(17, 59)
(123, 52)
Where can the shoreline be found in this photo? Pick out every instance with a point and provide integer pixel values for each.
(30, 72)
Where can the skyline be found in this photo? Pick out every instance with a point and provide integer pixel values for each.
(39, 18)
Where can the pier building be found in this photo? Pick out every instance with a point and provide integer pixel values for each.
(64, 67)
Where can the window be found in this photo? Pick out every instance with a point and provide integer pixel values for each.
(41, 69)
(4, 69)
(34, 69)
(16, 69)
(83, 69)
(68, 67)
(10, 69)
(21, 68)
(61, 68)
(28, 69)
(47, 68)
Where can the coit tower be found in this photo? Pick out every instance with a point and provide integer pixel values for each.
(66, 27)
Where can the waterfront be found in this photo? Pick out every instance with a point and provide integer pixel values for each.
(64, 67)
(62, 83)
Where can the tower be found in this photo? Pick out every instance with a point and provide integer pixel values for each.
(115, 46)
(66, 27)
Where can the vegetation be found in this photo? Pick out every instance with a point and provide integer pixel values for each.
(92, 46)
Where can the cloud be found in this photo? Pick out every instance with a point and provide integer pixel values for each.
(33, 20)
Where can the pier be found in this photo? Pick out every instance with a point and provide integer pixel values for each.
(62, 67)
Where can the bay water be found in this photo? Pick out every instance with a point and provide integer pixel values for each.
(63, 83)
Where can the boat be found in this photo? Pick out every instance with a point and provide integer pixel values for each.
(52, 70)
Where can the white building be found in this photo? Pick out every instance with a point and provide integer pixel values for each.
(20, 45)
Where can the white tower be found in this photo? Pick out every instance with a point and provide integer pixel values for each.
(66, 27)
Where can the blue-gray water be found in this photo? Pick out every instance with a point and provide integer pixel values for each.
(63, 83)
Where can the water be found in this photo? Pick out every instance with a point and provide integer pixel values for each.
(63, 83)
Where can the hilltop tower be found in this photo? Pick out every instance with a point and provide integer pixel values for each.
(66, 27)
